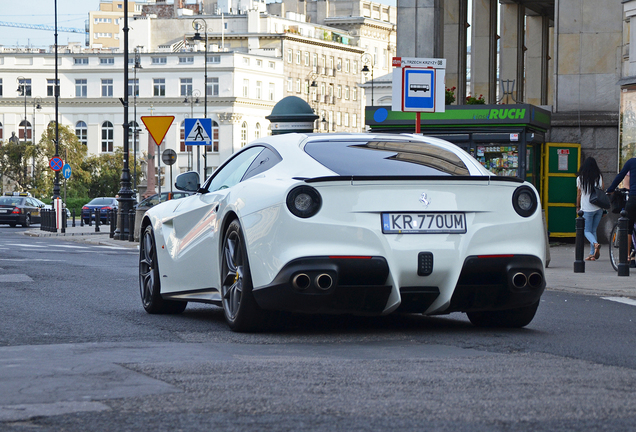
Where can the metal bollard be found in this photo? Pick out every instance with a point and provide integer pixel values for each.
(623, 265)
(131, 225)
(98, 218)
(112, 217)
(73, 216)
(63, 230)
(579, 263)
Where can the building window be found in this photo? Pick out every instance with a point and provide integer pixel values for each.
(346, 119)
(298, 55)
(21, 129)
(244, 134)
(133, 83)
(81, 88)
(259, 63)
(314, 60)
(215, 137)
(346, 93)
(186, 60)
(246, 88)
(107, 88)
(354, 93)
(339, 65)
(159, 60)
(82, 132)
(339, 118)
(24, 85)
(339, 91)
(50, 87)
(182, 147)
(80, 60)
(298, 85)
(355, 67)
(290, 55)
(354, 120)
(134, 126)
(259, 89)
(106, 61)
(306, 59)
(246, 61)
(306, 91)
(159, 86)
(107, 137)
(214, 59)
(257, 131)
(212, 88)
(347, 65)
(186, 86)
(290, 84)
(272, 65)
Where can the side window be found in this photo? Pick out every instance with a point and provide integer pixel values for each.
(265, 160)
(232, 173)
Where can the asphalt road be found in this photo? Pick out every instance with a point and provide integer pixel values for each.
(78, 353)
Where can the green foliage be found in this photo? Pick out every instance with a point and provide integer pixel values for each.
(470, 100)
(450, 95)
(16, 160)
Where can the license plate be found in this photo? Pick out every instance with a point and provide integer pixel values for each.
(4, 211)
(423, 223)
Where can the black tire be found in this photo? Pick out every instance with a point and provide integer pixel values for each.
(510, 318)
(613, 248)
(12, 224)
(149, 282)
(27, 221)
(241, 311)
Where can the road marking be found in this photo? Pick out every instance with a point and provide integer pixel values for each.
(623, 300)
(30, 259)
(15, 278)
(73, 247)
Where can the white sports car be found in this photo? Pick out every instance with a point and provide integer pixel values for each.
(366, 224)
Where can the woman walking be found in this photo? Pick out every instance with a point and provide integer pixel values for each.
(588, 178)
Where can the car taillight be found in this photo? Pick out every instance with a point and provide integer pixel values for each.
(84, 208)
(16, 211)
(106, 208)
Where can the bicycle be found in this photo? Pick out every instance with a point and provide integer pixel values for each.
(613, 246)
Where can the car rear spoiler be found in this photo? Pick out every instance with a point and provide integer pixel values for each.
(412, 178)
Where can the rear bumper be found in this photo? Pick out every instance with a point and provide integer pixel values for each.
(12, 218)
(360, 285)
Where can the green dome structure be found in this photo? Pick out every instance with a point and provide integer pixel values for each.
(292, 114)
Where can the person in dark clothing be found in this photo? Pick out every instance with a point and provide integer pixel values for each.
(630, 207)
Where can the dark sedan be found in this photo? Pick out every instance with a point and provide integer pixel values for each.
(23, 210)
(101, 204)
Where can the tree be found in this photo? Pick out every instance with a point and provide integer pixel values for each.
(15, 159)
(73, 152)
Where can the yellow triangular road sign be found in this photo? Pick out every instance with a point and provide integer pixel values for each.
(157, 126)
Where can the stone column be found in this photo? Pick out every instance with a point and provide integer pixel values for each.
(483, 58)
(455, 22)
(536, 60)
(510, 49)
(150, 174)
(420, 28)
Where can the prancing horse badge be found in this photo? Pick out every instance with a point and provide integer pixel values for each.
(424, 199)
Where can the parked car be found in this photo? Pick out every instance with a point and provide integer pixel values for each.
(155, 199)
(104, 204)
(19, 208)
(366, 224)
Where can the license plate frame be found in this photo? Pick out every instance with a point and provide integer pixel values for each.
(423, 223)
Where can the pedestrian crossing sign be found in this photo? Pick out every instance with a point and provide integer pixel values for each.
(198, 131)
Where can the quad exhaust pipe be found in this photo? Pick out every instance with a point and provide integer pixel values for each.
(322, 281)
(520, 280)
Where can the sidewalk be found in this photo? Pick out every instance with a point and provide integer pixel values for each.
(85, 234)
(599, 277)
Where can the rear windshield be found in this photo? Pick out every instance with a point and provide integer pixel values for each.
(386, 158)
(11, 201)
(101, 201)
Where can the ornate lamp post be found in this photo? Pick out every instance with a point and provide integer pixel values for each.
(136, 66)
(125, 199)
(367, 59)
(197, 36)
(37, 104)
(22, 89)
(193, 98)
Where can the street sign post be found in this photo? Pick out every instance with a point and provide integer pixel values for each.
(198, 132)
(169, 157)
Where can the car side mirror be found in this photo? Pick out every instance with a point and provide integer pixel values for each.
(188, 181)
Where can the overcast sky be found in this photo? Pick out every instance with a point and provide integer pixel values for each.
(70, 13)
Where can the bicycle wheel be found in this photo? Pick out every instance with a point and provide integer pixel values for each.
(613, 247)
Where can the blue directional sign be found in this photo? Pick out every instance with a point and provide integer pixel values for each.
(419, 90)
(198, 131)
(66, 171)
